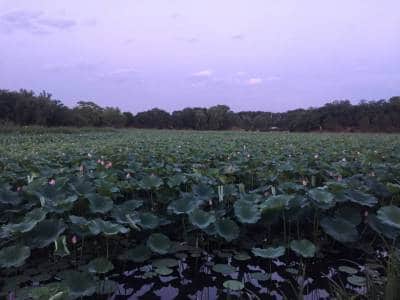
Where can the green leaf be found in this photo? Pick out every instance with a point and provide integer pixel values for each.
(79, 284)
(45, 233)
(149, 220)
(246, 212)
(321, 198)
(223, 269)
(357, 280)
(339, 229)
(348, 270)
(138, 254)
(270, 252)
(390, 215)
(227, 229)
(233, 285)
(159, 243)
(361, 198)
(184, 205)
(201, 219)
(14, 256)
(303, 247)
(100, 204)
(150, 182)
(100, 265)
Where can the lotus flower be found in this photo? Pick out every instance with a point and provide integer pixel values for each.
(52, 182)
(108, 165)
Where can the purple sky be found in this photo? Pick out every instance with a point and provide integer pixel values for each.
(248, 54)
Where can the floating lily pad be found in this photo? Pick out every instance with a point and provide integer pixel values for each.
(348, 270)
(303, 247)
(223, 269)
(234, 285)
(100, 265)
(227, 229)
(164, 271)
(242, 256)
(183, 205)
(149, 220)
(159, 243)
(138, 254)
(165, 262)
(340, 229)
(246, 212)
(201, 219)
(14, 256)
(390, 215)
(270, 252)
(357, 280)
(79, 284)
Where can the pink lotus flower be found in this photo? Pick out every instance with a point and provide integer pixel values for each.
(52, 182)
(128, 176)
(74, 239)
(19, 188)
(108, 165)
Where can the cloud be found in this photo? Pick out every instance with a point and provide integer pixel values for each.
(238, 36)
(34, 22)
(203, 73)
(273, 78)
(254, 81)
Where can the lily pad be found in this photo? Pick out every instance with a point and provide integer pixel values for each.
(14, 256)
(270, 252)
(340, 229)
(164, 271)
(348, 270)
(227, 229)
(183, 205)
(247, 212)
(44, 233)
(100, 204)
(79, 284)
(234, 285)
(303, 247)
(322, 198)
(138, 254)
(159, 243)
(149, 220)
(390, 215)
(201, 219)
(223, 269)
(100, 265)
(357, 280)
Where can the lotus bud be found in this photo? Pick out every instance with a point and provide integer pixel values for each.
(221, 193)
(273, 190)
(52, 182)
(108, 165)
(74, 240)
(128, 176)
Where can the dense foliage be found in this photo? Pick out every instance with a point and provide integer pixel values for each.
(77, 208)
(26, 108)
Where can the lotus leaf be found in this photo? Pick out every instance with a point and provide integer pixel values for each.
(322, 198)
(234, 285)
(138, 254)
(100, 265)
(201, 219)
(159, 243)
(304, 248)
(149, 220)
(97, 226)
(79, 284)
(246, 212)
(99, 204)
(361, 198)
(227, 229)
(14, 256)
(270, 252)
(183, 205)
(150, 182)
(340, 229)
(223, 269)
(45, 233)
(390, 215)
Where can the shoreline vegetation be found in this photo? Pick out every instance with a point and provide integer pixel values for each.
(19, 109)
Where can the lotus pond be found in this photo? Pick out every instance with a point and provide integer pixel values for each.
(141, 214)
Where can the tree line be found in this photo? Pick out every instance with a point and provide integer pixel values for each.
(24, 108)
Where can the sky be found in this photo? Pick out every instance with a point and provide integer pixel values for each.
(248, 54)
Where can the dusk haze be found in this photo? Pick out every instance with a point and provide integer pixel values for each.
(256, 55)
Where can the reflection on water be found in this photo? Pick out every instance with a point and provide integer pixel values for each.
(194, 278)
